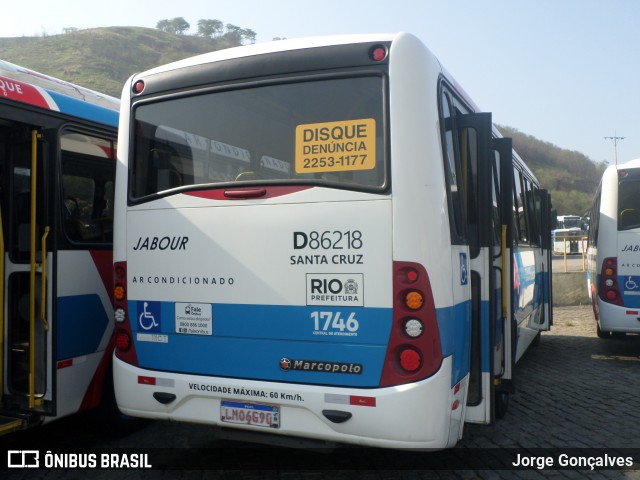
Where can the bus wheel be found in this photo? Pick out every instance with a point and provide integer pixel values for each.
(502, 404)
(602, 334)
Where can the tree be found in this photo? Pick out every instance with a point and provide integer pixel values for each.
(176, 26)
(249, 35)
(211, 28)
(234, 33)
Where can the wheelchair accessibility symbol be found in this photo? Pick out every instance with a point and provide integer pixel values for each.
(631, 284)
(464, 275)
(149, 318)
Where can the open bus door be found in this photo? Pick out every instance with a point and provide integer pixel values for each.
(546, 225)
(484, 163)
(26, 269)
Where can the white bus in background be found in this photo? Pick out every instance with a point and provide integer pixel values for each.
(322, 238)
(569, 236)
(613, 276)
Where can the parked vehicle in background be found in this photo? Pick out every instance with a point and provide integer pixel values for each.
(613, 276)
(57, 165)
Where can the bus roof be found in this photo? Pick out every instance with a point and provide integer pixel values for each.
(27, 86)
(272, 47)
(630, 164)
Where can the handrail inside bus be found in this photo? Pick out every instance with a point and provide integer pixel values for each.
(43, 287)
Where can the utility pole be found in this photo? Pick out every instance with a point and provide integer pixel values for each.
(615, 139)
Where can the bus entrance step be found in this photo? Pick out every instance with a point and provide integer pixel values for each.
(10, 424)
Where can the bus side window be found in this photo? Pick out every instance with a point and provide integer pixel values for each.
(87, 190)
(595, 219)
(469, 168)
(519, 206)
(495, 199)
(628, 204)
(533, 212)
(451, 169)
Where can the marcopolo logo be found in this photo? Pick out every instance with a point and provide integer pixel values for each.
(335, 289)
(288, 364)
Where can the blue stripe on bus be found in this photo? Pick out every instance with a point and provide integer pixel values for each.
(249, 341)
(454, 325)
(81, 323)
(89, 111)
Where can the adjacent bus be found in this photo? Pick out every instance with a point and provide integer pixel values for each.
(613, 254)
(322, 238)
(57, 171)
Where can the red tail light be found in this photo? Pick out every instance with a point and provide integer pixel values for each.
(124, 339)
(414, 351)
(609, 290)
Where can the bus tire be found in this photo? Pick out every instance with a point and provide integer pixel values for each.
(601, 333)
(501, 404)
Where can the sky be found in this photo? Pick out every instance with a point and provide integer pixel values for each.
(564, 71)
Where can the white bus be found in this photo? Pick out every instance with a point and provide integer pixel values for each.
(570, 235)
(613, 254)
(57, 164)
(322, 238)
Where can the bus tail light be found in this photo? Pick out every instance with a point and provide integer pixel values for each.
(125, 350)
(414, 351)
(123, 340)
(609, 290)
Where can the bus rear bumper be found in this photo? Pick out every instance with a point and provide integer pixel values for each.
(613, 318)
(426, 415)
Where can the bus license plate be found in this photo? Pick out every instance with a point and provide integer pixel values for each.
(250, 414)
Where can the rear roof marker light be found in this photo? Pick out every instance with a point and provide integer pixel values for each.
(378, 53)
(138, 86)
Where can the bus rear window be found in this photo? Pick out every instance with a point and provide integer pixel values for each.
(328, 132)
(629, 203)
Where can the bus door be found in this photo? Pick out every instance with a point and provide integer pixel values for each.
(546, 225)
(502, 237)
(481, 167)
(26, 268)
(540, 210)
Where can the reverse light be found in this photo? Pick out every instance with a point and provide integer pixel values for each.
(413, 328)
(120, 315)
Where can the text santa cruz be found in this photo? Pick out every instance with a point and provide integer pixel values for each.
(321, 259)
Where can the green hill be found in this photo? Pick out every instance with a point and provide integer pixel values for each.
(570, 176)
(103, 58)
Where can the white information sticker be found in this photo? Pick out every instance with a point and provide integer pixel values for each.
(194, 318)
